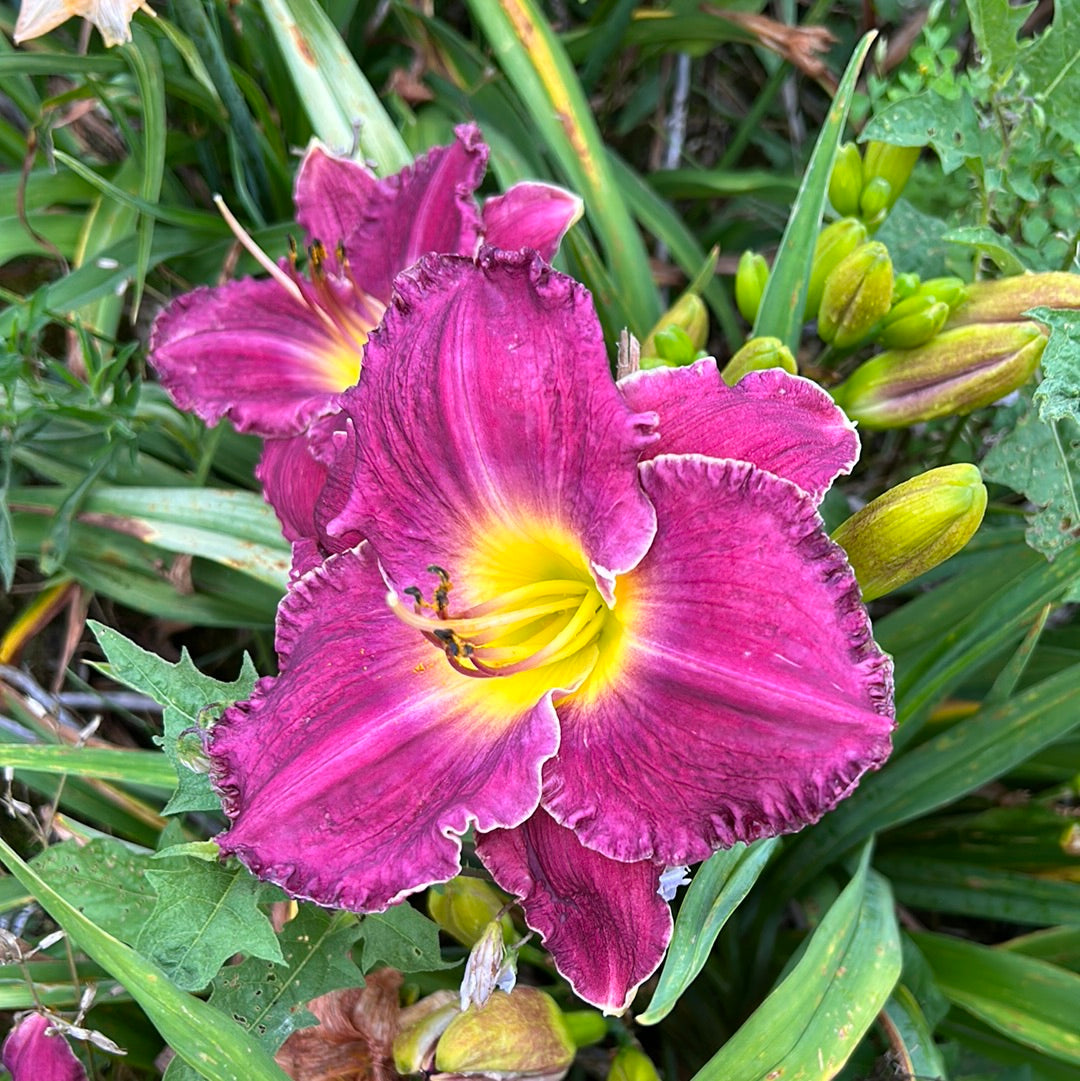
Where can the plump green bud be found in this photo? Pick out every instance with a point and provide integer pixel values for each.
(877, 196)
(631, 1064)
(834, 243)
(913, 527)
(912, 322)
(950, 291)
(419, 1029)
(846, 181)
(750, 277)
(904, 286)
(463, 908)
(515, 1035)
(689, 316)
(756, 355)
(857, 294)
(891, 163)
(957, 371)
(585, 1027)
(1006, 300)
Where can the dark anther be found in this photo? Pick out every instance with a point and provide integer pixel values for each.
(339, 251)
(434, 568)
(414, 592)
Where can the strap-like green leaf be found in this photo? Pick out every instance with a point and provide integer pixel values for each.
(781, 312)
(806, 1029)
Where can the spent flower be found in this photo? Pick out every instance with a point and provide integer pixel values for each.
(570, 627)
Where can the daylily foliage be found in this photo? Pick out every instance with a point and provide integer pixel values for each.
(601, 625)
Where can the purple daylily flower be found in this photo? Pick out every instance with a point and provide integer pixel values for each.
(271, 354)
(31, 1053)
(602, 625)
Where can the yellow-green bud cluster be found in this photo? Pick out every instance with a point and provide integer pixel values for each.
(956, 372)
(750, 277)
(913, 527)
(679, 336)
(756, 355)
(857, 294)
(919, 311)
(867, 185)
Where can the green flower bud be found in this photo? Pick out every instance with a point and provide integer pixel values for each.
(911, 322)
(750, 277)
(877, 196)
(956, 372)
(463, 907)
(834, 243)
(419, 1029)
(951, 291)
(585, 1027)
(856, 295)
(672, 347)
(891, 163)
(1006, 300)
(756, 355)
(904, 286)
(689, 315)
(515, 1035)
(846, 181)
(632, 1064)
(913, 527)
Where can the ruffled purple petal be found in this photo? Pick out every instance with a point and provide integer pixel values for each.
(603, 922)
(332, 196)
(531, 215)
(291, 479)
(776, 421)
(486, 406)
(349, 778)
(249, 351)
(29, 1054)
(428, 207)
(747, 696)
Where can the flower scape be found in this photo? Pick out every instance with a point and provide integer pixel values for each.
(597, 629)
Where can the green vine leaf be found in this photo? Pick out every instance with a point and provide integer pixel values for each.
(1058, 395)
(204, 914)
(402, 938)
(190, 700)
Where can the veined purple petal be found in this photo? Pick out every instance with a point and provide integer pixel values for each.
(603, 922)
(531, 215)
(486, 406)
(250, 351)
(428, 207)
(776, 421)
(332, 195)
(746, 696)
(350, 777)
(291, 479)
(30, 1055)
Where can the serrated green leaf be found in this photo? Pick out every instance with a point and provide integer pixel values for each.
(718, 887)
(402, 938)
(187, 697)
(1028, 1000)
(205, 913)
(1058, 395)
(200, 1034)
(996, 24)
(1052, 69)
(950, 126)
(1042, 461)
(781, 312)
(810, 1024)
(104, 879)
(269, 1001)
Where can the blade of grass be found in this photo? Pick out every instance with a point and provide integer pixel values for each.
(339, 101)
(534, 62)
(132, 767)
(780, 314)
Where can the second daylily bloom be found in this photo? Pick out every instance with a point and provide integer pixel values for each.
(601, 625)
(271, 354)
